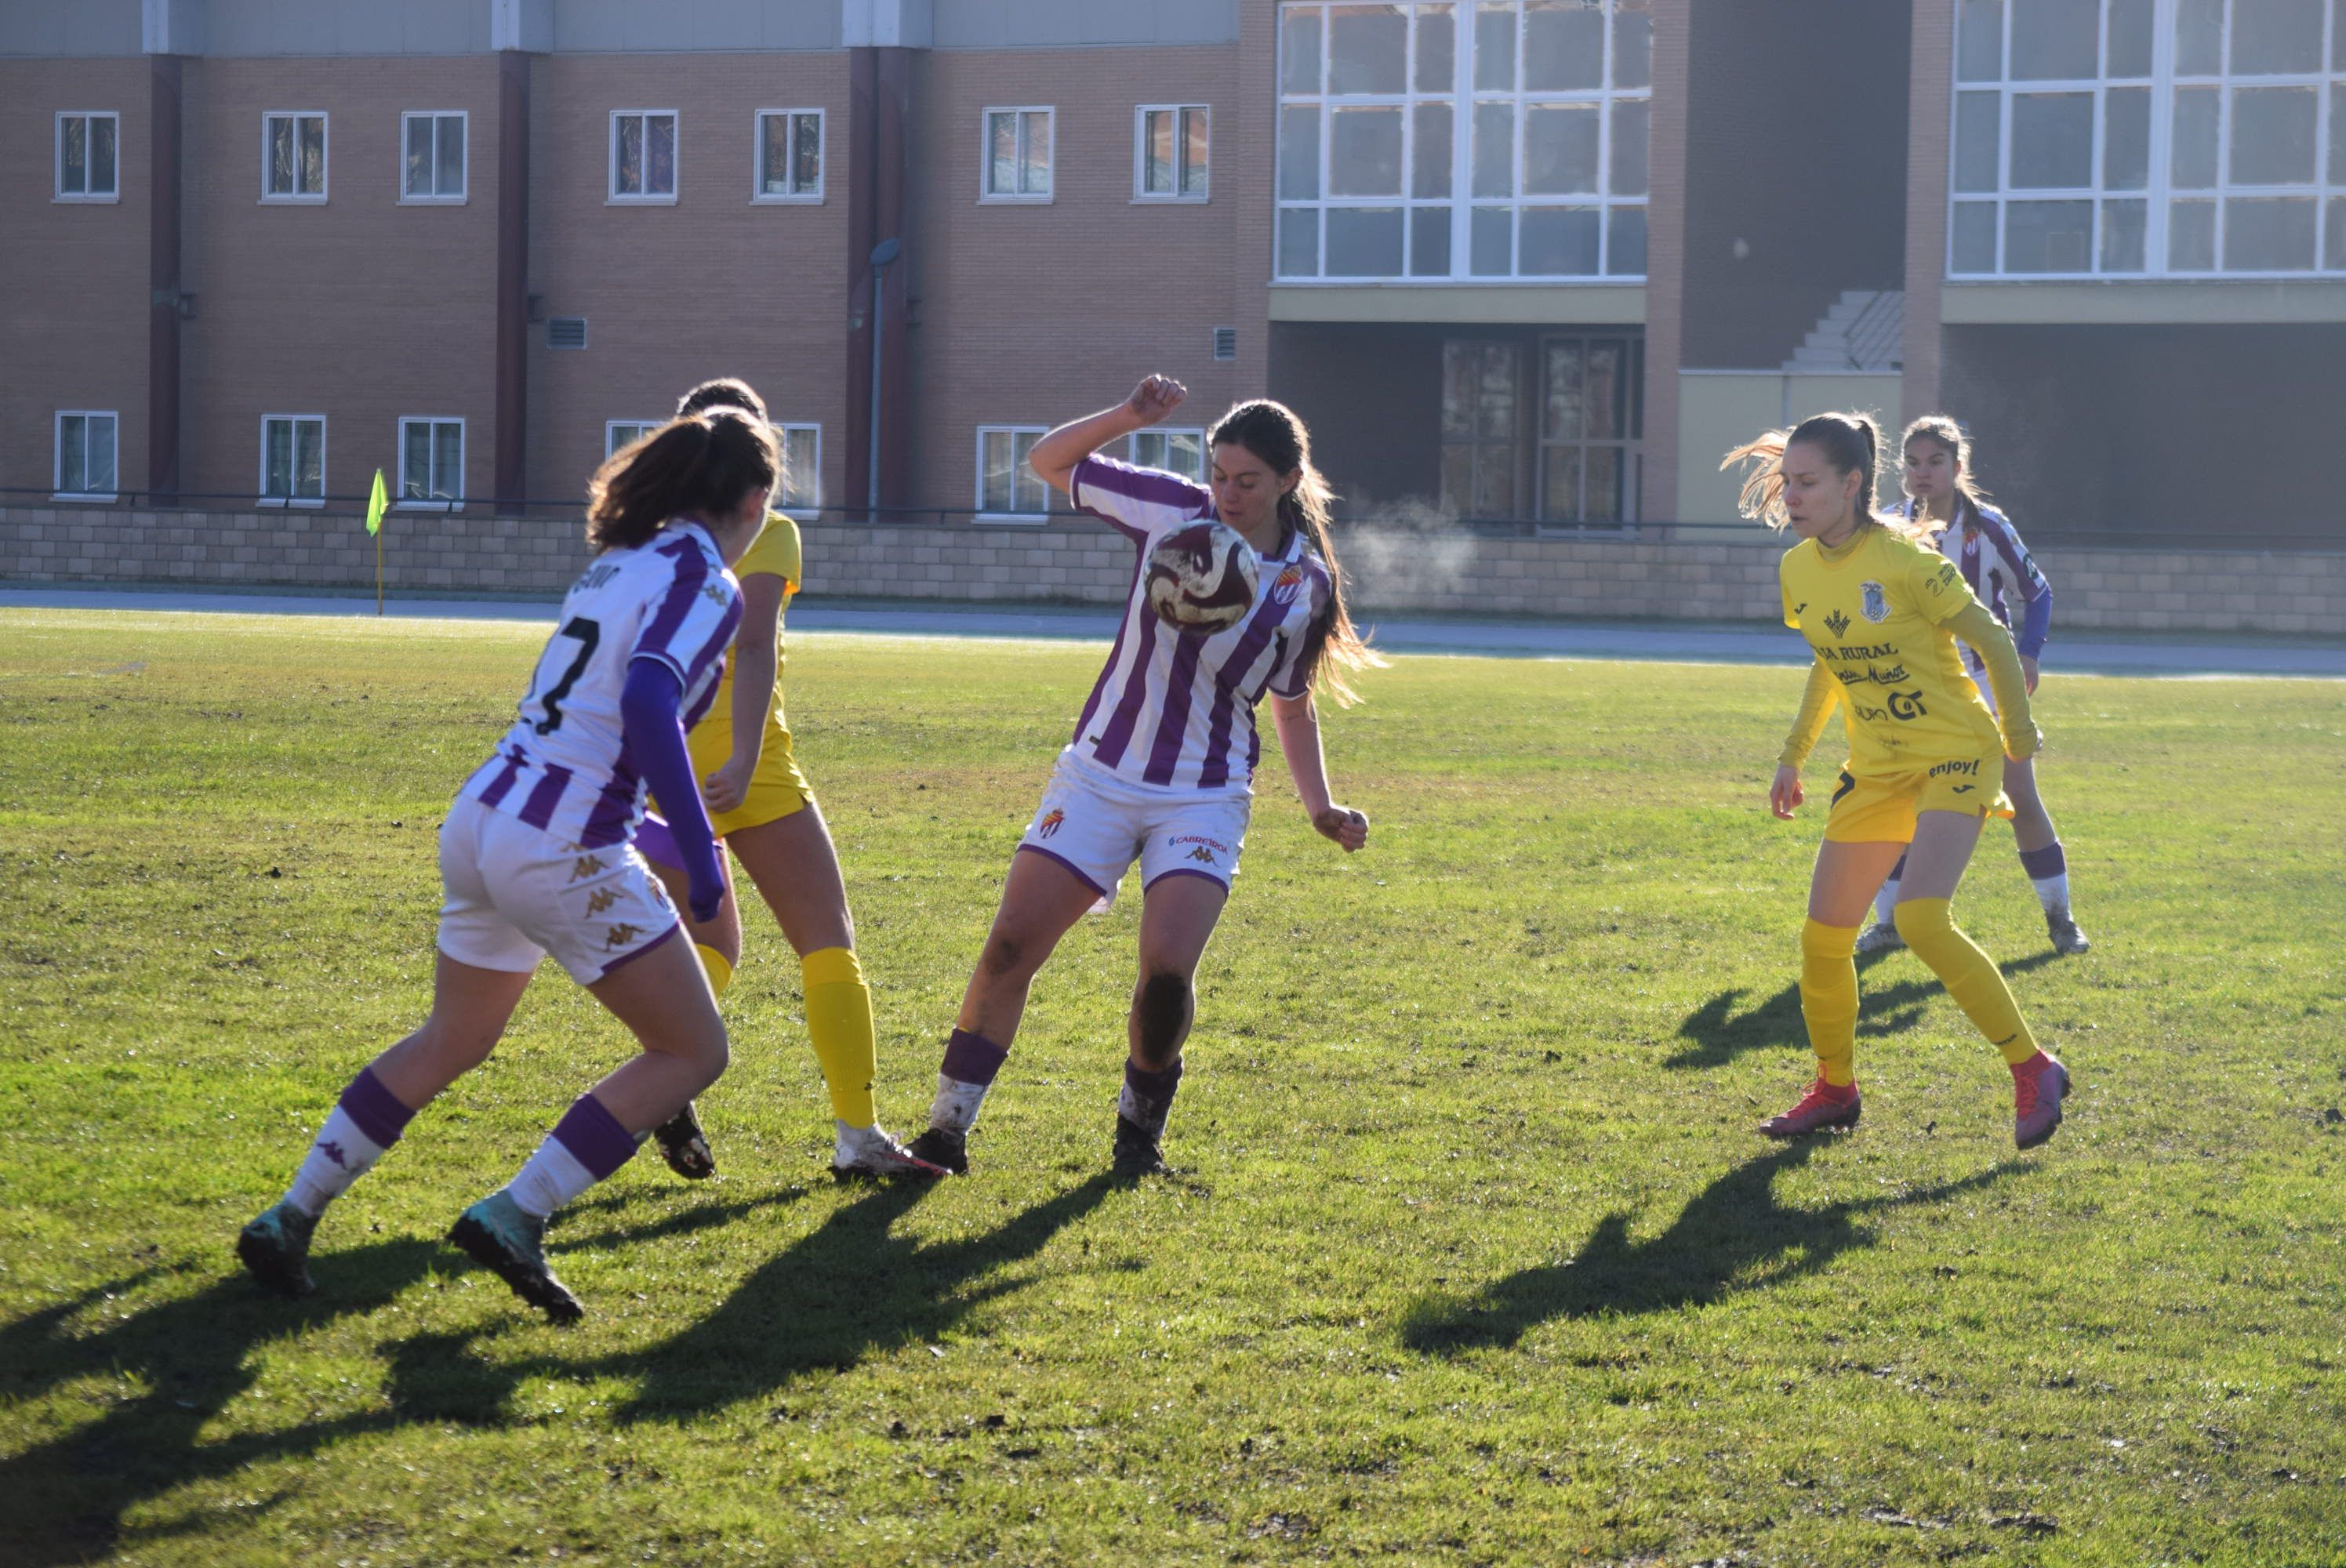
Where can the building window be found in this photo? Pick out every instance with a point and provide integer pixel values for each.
(432, 160)
(1018, 155)
(1169, 155)
(1181, 451)
(293, 459)
(1592, 423)
(1497, 139)
(1482, 393)
(86, 453)
(431, 464)
(88, 165)
(621, 433)
(292, 157)
(801, 487)
(643, 155)
(1007, 486)
(2147, 138)
(790, 155)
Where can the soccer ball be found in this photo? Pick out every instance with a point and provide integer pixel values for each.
(1201, 578)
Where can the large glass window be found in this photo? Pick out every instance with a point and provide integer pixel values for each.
(86, 453)
(801, 487)
(292, 157)
(2147, 138)
(643, 155)
(293, 459)
(1490, 139)
(87, 157)
(1548, 429)
(431, 165)
(789, 155)
(1007, 486)
(1175, 451)
(1017, 164)
(432, 462)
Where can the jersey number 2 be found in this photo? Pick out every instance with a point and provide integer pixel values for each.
(587, 634)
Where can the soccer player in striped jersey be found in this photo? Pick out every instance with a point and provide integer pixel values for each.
(1942, 492)
(764, 810)
(536, 857)
(1161, 765)
(1883, 613)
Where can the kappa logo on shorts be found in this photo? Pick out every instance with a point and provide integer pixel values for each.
(1050, 822)
(1837, 624)
(620, 935)
(1877, 602)
(587, 866)
(600, 899)
(1203, 855)
(1286, 585)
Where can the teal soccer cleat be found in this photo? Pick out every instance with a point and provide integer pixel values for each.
(496, 1235)
(275, 1249)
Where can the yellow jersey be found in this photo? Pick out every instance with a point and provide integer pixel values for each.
(1874, 612)
(774, 554)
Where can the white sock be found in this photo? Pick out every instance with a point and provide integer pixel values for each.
(955, 1106)
(2053, 891)
(848, 1143)
(340, 1155)
(550, 1178)
(1885, 903)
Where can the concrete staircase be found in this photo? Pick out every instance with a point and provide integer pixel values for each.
(1865, 330)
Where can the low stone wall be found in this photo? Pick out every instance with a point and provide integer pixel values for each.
(1668, 574)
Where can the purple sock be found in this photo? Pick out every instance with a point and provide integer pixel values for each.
(594, 1137)
(374, 1109)
(1148, 1096)
(971, 1058)
(2048, 861)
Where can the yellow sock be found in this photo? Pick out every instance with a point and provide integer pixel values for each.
(1969, 975)
(719, 967)
(839, 1025)
(1829, 997)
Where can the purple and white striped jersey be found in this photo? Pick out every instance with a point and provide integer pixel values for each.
(563, 766)
(1173, 709)
(2000, 572)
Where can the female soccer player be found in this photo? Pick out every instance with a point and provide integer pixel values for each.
(1942, 492)
(1161, 763)
(765, 810)
(536, 857)
(1883, 613)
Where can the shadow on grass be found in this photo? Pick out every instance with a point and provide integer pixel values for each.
(1732, 1237)
(1718, 1033)
(65, 1498)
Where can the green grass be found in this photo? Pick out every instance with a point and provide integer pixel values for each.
(1478, 1260)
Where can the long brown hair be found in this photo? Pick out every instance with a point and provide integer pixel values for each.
(1942, 429)
(1850, 443)
(701, 466)
(1272, 433)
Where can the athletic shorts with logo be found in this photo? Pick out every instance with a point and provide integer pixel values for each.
(516, 893)
(1881, 808)
(1097, 825)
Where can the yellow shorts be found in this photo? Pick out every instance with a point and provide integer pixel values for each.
(777, 790)
(1879, 809)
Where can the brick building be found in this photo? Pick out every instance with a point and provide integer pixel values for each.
(1537, 261)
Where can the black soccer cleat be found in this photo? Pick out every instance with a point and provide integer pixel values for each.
(275, 1251)
(943, 1148)
(1137, 1151)
(685, 1147)
(496, 1235)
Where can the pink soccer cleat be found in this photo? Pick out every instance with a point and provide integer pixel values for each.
(1822, 1108)
(2038, 1086)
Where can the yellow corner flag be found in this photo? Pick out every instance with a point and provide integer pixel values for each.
(376, 502)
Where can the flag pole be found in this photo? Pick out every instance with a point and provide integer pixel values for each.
(378, 572)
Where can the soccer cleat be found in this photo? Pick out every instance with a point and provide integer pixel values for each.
(685, 1147)
(2038, 1091)
(1819, 1111)
(943, 1147)
(496, 1235)
(1881, 936)
(879, 1156)
(275, 1249)
(1137, 1151)
(2067, 938)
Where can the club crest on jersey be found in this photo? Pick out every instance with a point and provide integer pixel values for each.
(1877, 602)
(1050, 822)
(1837, 623)
(1286, 585)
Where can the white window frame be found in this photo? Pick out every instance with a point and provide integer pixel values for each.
(986, 194)
(1462, 95)
(57, 454)
(758, 192)
(1205, 453)
(1013, 431)
(261, 489)
(804, 510)
(1140, 191)
(2159, 193)
(402, 500)
(612, 195)
(58, 191)
(326, 157)
(611, 428)
(464, 179)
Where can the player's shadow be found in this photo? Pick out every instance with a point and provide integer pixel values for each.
(1732, 1237)
(1716, 1033)
(168, 1373)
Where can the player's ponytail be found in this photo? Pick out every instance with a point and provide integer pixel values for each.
(701, 466)
(1851, 444)
(1271, 431)
(1942, 429)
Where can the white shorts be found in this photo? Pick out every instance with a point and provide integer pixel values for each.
(1097, 826)
(516, 893)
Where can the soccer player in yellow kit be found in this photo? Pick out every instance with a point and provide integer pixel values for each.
(1883, 613)
(763, 810)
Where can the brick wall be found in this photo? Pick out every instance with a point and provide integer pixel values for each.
(1694, 575)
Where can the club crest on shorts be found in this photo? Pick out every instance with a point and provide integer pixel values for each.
(1877, 602)
(1050, 822)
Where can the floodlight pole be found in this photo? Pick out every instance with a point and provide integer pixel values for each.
(887, 251)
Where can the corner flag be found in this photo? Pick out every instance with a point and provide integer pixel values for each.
(376, 502)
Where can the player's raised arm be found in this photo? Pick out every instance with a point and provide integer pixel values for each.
(1053, 458)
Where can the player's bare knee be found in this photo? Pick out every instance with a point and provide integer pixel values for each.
(1003, 957)
(1162, 1005)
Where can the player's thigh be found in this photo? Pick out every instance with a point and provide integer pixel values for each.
(663, 998)
(794, 866)
(1178, 916)
(1944, 841)
(1847, 876)
(1042, 899)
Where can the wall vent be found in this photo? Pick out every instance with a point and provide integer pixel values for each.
(566, 332)
(1226, 343)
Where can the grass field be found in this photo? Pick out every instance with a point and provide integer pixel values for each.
(1477, 1259)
